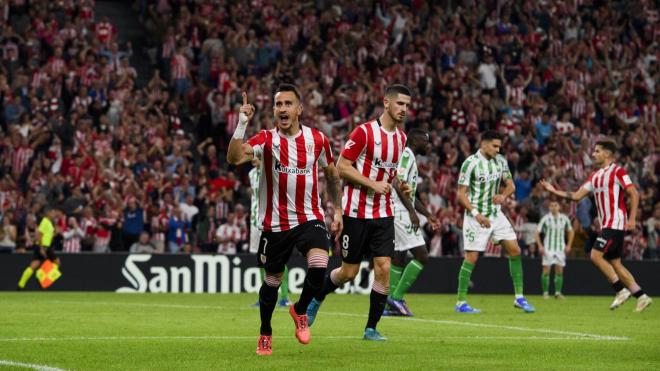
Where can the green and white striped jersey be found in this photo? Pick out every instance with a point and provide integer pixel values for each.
(407, 173)
(254, 176)
(554, 228)
(483, 178)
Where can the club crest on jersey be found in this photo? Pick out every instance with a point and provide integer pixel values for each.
(310, 148)
(262, 257)
(384, 164)
(291, 170)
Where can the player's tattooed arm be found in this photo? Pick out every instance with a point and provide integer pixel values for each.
(334, 185)
(334, 191)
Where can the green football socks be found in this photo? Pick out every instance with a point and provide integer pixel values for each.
(515, 268)
(284, 287)
(559, 283)
(464, 279)
(545, 282)
(395, 276)
(407, 279)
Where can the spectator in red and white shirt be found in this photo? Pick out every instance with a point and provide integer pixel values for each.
(21, 156)
(73, 235)
(228, 235)
(180, 72)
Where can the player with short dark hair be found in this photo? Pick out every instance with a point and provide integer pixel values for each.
(608, 184)
(290, 208)
(43, 249)
(555, 226)
(480, 194)
(368, 166)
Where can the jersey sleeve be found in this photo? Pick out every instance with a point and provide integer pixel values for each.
(569, 227)
(467, 172)
(405, 165)
(506, 172)
(326, 157)
(623, 178)
(258, 143)
(588, 184)
(356, 143)
(541, 226)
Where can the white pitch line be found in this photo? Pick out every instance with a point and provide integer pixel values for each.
(280, 338)
(423, 320)
(4, 362)
(486, 325)
(155, 305)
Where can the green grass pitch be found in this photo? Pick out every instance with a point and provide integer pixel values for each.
(108, 331)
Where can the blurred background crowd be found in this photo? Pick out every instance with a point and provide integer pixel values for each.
(131, 141)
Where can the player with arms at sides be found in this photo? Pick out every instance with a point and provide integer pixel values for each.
(555, 226)
(407, 236)
(290, 210)
(368, 165)
(608, 185)
(479, 192)
(255, 233)
(43, 249)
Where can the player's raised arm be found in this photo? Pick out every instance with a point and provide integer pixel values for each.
(574, 196)
(239, 151)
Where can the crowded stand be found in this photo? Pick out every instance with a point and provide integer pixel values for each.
(137, 163)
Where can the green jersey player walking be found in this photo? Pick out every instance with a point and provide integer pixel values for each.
(407, 235)
(554, 226)
(480, 194)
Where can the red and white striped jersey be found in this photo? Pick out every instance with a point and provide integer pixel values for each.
(232, 234)
(71, 241)
(179, 67)
(516, 94)
(607, 185)
(56, 65)
(375, 153)
(649, 112)
(289, 186)
(21, 157)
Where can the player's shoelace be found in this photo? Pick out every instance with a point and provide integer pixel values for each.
(302, 322)
(265, 343)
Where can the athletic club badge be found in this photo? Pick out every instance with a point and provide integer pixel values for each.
(262, 257)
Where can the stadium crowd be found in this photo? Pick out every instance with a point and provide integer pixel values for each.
(143, 168)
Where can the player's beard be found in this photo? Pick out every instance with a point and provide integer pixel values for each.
(397, 118)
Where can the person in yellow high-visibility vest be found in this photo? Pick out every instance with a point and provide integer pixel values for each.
(43, 249)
